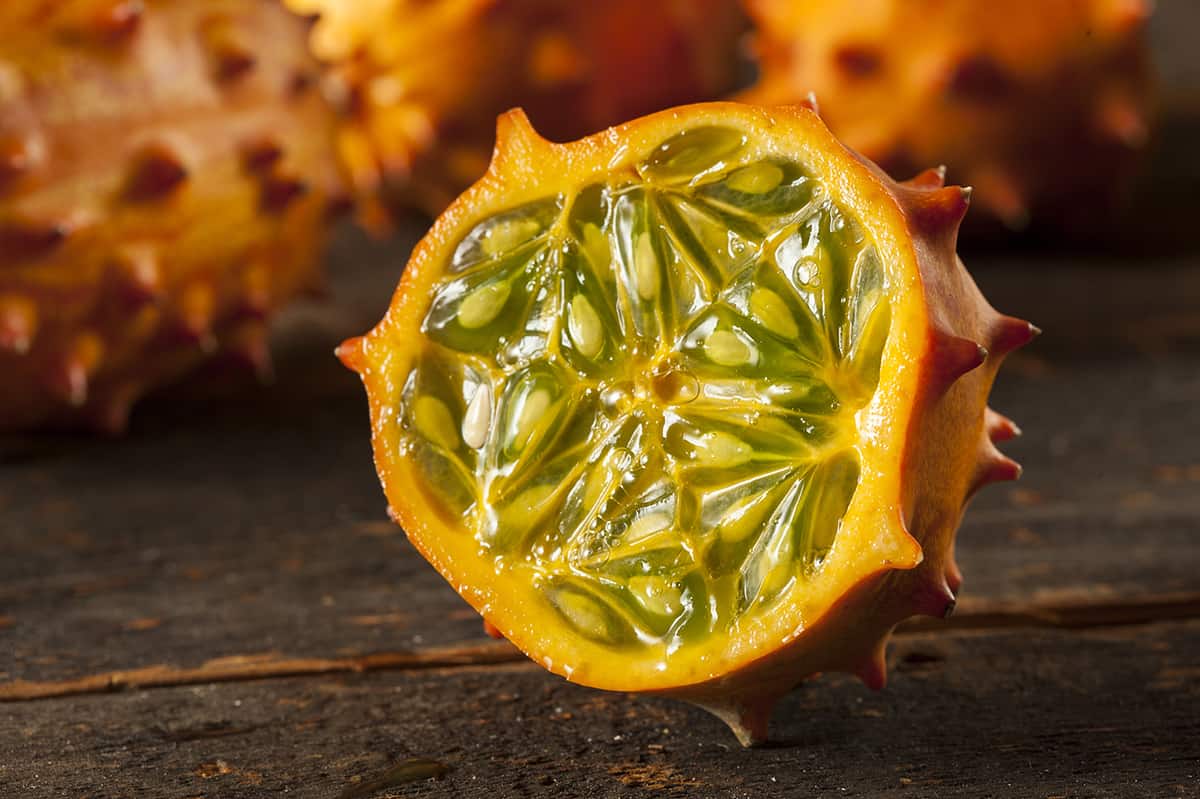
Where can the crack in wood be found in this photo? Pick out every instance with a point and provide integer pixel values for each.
(1064, 615)
(241, 668)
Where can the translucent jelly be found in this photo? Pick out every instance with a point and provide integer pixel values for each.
(644, 395)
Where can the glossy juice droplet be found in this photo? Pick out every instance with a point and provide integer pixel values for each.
(675, 386)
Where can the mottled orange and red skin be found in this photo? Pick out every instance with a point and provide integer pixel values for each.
(1042, 107)
(165, 174)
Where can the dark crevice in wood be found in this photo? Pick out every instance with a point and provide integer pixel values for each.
(269, 666)
(1064, 616)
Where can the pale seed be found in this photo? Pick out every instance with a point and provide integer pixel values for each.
(483, 305)
(584, 613)
(656, 594)
(646, 525)
(746, 516)
(583, 324)
(727, 349)
(722, 449)
(478, 420)
(530, 501)
(507, 234)
(532, 410)
(434, 421)
(596, 245)
(769, 310)
(757, 178)
(645, 264)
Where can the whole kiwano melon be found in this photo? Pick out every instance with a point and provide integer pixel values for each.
(165, 173)
(1042, 107)
(420, 84)
(691, 406)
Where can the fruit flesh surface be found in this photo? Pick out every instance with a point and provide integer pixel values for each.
(642, 396)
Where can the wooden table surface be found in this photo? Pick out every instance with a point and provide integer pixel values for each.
(217, 606)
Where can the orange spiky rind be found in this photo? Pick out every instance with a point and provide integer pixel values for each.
(1009, 333)
(137, 242)
(945, 347)
(116, 20)
(18, 323)
(158, 170)
(873, 668)
(420, 84)
(999, 427)
(932, 178)
(954, 356)
(1043, 109)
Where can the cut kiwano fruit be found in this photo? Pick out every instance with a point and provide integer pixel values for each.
(691, 406)
(1042, 107)
(420, 83)
(165, 173)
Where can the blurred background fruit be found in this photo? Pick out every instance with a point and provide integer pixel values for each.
(168, 167)
(419, 84)
(1042, 107)
(166, 170)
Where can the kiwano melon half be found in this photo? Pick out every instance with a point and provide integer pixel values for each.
(692, 406)
(165, 173)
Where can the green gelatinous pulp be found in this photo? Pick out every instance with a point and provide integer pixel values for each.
(644, 394)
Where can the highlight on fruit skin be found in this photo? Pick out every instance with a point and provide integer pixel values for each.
(420, 84)
(691, 406)
(165, 174)
(1042, 107)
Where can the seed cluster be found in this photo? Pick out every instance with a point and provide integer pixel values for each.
(644, 393)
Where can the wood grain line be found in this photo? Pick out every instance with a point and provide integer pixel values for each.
(238, 668)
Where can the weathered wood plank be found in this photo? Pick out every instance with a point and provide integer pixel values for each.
(261, 529)
(270, 665)
(1114, 713)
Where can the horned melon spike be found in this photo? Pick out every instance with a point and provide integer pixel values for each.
(691, 406)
